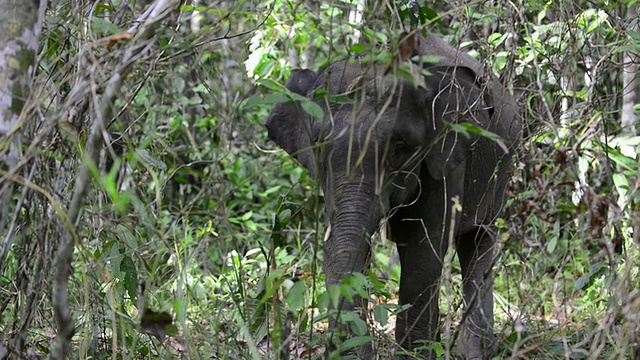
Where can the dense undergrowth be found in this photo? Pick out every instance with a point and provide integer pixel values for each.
(201, 239)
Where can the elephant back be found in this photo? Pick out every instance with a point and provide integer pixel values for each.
(505, 119)
(433, 45)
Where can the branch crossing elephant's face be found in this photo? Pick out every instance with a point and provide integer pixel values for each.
(407, 151)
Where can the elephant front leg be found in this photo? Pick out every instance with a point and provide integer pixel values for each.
(477, 340)
(421, 264)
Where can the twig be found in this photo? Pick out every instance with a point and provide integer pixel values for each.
(142, 18)
(64, 255)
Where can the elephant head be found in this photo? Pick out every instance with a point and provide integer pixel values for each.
(387, 148)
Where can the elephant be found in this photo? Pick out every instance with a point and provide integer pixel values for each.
(394, 150)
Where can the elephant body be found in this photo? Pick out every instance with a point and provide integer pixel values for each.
(408, 152)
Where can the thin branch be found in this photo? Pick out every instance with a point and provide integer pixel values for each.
(64, 257)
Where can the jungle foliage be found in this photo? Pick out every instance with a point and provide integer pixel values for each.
(201, 239)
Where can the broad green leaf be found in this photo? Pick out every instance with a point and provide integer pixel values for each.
(272, 284)
(356, 341)
(103, 26)
(347, 292)
(625, 48)
(465, 128)
(295, 296)
(313, 109)
(551, 245)
(264, 99)
(381, 314)
(273, 86)
(115, 259)
(357, 48)
(635, 35)
(269, 191)
(334, 294)
(354, 321)
(501, 61)
(428, 13)
(284, 217)
(496, 39)
(241, 219)
(246, 216)
(128, 267)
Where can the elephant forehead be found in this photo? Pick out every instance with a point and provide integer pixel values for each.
(350, 79)
(404, 123)
(364, 101)
(381, 102)
(357, 122)
(344, 79)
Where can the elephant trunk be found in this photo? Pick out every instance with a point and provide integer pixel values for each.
(352, 221)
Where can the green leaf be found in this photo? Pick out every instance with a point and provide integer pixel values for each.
(355, 342)
(128, 267)
(434, 346)
(337, 99)
(295, 296)
(501, 60)
(324, 301)
(101, 8)
(103, 26)
(635, 35)
(269, 191)
(426, 59)
(622, 160)
(465, 128)
(460, 129)
(437, 348)
(334, 294)
(496, 39)
(625, 48)
(551, 245)
(428, 13)
(246, 216)
(313, 109)
(284, 218)
(381, 314)
(251, 226)
(479, 131)
(264, 99)
(264, 67)
(354, 321)
(115, 259)
(582, 282)
(272, 283)
(357, 48)
(273, 86)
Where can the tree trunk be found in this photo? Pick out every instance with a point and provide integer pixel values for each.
(630, 78)
(20, 25)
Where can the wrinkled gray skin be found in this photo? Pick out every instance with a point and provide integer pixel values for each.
(388, 154)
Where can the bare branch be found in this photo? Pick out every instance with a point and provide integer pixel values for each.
(140, 44)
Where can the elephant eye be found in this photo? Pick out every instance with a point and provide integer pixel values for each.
(398, 154)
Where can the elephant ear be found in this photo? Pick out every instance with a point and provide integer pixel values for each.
(454, 97)
(290, 126)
